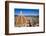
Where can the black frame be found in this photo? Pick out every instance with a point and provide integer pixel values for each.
(7, 17)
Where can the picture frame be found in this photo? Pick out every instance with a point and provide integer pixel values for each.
(9, 21)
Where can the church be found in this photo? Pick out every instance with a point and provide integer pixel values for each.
(26, 17)
(22, 20)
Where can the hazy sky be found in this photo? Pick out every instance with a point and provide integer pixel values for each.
(27, 12)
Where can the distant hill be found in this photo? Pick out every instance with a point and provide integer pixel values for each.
(29, 15)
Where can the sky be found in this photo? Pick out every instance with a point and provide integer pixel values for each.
(26, 12)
